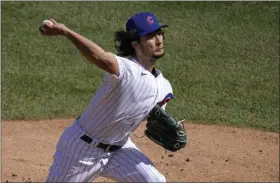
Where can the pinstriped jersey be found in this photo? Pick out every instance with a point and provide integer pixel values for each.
(123, 101)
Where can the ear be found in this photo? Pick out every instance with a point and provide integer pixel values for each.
(134, 44)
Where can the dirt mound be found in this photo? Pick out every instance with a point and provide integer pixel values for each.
(214, 153)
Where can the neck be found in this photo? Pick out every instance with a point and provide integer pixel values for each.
(147, 63)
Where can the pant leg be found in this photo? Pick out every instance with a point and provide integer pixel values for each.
(129, 164)
(75, 160)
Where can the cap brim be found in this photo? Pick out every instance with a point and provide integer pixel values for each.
(162, 26)
(159, 27)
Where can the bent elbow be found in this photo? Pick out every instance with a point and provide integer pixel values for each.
(107, 62)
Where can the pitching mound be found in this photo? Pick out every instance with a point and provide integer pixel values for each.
(214, 153)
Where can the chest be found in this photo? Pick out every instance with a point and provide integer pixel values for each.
(142, 87)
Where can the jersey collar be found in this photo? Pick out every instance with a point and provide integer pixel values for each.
(158, 72)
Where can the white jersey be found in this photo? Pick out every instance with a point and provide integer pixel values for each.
(116, 110)
(119, 106)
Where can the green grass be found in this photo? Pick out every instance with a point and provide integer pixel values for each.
(222, 59)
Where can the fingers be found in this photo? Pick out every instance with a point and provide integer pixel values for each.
(44, 30)
(49, 23)
(53, 21)
(51, 28)
(45, 27)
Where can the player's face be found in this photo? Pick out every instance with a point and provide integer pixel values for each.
(152, 45)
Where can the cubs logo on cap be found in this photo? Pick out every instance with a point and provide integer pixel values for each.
(143, 23)
(150, 20)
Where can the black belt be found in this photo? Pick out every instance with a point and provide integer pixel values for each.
(106, 147)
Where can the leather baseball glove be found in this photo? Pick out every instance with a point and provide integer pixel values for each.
(165, 131)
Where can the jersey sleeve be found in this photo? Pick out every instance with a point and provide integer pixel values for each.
(169, 94)
(123, 70)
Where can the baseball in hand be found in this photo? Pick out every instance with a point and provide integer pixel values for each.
(47, 22)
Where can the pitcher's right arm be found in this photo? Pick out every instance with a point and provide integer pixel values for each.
(94, 53)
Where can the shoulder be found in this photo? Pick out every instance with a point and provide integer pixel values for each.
(127, 64)
(125, 61)
(166, 81)
(126, 68)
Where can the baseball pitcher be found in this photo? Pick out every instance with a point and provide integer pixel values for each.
(98, 142)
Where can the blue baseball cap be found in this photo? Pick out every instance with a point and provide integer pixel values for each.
(143, 23)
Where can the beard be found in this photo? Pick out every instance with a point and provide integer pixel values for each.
(158, 55)
(154, 56)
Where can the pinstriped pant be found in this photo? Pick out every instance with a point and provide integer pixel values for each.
(77, 161)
